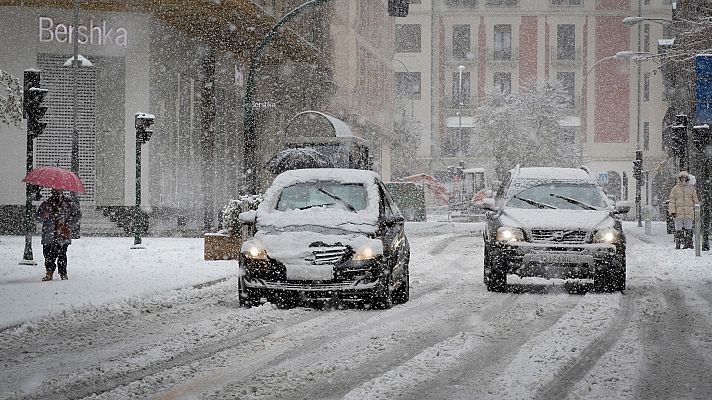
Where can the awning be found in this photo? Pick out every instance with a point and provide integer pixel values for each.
(237, 26)
(303, 123)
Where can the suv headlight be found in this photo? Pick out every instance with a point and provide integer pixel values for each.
(254, 251)
(364, 253)
(509, 234)
(606, 235)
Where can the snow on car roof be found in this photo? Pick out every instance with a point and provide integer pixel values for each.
(552, 173)
(360, 221)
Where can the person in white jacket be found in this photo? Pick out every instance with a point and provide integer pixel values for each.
(681, 207)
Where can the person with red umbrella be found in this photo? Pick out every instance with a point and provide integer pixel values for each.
(59, 215)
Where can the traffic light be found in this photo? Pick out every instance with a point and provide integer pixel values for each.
(398, 8)
(143, 122)
(678, 139)
(638, 165)
(32, 108)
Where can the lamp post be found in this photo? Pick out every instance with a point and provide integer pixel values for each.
(75, 62)
(460, 103)
(250, 156)
(637, 56)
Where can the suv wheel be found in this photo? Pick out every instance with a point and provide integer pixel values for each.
(382, 297)
(246, 297)
(494, 278)
(402, 293)
(611, 279)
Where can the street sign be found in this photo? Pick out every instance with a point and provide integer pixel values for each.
(703, 89)
(603, 177)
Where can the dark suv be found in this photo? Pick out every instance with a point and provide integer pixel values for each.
(323, 234)
(554, 223)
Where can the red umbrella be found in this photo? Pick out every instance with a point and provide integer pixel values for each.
(54, 178)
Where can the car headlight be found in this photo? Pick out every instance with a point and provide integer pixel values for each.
(509, 234)
(364, 253)
(607, 235)
(254, 251)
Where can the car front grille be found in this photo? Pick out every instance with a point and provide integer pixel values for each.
(558, 236)
(328, 255)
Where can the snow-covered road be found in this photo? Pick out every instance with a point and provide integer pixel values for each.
(452, 340)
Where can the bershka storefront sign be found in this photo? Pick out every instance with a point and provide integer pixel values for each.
(96, 33)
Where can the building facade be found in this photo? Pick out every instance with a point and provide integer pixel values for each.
(461, 50)
(186, 62)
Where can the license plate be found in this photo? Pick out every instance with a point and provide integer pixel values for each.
(558, 258)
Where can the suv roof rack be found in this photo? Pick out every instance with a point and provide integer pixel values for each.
(585, 168)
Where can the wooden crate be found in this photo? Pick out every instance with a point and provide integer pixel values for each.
(219, 246)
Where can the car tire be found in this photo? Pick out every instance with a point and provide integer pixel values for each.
(402, 293)
(494, 278)
(382, 297)
(612, 278)
(246, 297)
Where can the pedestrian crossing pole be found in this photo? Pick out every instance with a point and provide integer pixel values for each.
(142, 122)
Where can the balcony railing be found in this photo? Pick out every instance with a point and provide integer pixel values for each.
(452, 102)
(503, 56)
(565, 58)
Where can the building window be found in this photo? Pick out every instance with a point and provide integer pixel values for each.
(408, 85)
(646, 135)
(503, 82)
(568, 82)
(567, 2)
(461, 41)
(566, 42)
(457, 142)
(408, 38)
(506, 3)
(646, 86)
(502, 42)
(646, 37)
(461, 3)
(460, 90)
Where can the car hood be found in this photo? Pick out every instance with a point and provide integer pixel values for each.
(556, 219)
(297, 247)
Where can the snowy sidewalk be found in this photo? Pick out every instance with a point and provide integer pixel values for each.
(101, 270)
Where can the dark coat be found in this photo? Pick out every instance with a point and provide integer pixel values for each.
(59, 217)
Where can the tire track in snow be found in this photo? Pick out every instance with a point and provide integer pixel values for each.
(440, 246)
(563, 382)
(675, 368)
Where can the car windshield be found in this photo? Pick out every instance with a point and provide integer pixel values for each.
(300, 196)
(567, 196)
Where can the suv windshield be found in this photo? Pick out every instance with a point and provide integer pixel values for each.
(568, 196)
(349, 196)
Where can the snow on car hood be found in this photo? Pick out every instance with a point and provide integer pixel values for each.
(556, 219)
(295, 250)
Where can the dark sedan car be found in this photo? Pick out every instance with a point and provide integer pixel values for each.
(326, 234)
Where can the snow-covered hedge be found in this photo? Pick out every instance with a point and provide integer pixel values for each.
(230, 222)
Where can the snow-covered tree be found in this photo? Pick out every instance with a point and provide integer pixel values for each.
(524, 128)
(10, 99)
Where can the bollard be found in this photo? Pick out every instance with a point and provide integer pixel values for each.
(697, 230)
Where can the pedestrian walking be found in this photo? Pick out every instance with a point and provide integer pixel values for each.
(683, 198)
(59, 216)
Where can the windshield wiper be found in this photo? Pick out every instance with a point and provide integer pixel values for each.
(339, 199)
(316, 205)
(535, 203)
(574, 201)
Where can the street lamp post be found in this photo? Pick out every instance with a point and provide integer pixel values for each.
(460, 103)
(250, 145)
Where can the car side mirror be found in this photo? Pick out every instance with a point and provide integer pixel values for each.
(488, 204)
(621, 207)
(393, 220)
(248, 217)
